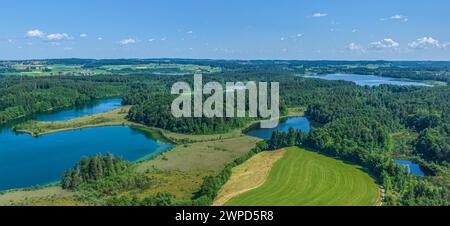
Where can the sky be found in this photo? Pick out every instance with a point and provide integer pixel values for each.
(226, 29)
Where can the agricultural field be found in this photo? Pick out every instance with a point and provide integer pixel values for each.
(304, 178)
(43, 68)
(250, 175)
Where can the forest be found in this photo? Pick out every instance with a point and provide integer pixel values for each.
(21, 97)
(360, 124)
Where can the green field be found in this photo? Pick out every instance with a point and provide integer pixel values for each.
(304, 178)
(43, 68)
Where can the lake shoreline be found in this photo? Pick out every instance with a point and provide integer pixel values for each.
(115, 117)
(371, 80)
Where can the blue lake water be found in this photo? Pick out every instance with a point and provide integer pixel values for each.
(26, 161)
(369, 80)
(413, 168)
(298, 123)
(98, 106)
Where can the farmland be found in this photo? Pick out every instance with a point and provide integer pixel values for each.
(87, 68)
(303, 178)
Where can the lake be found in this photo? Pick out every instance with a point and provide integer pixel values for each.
(26, 161)
(298, 123)
(94, 107)
(369, 80)
(413, 168)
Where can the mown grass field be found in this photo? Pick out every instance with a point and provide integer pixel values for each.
(304, 178)
(250, 175)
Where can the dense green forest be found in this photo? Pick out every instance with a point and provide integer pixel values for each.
(21, 97)
(156, 112)
(358, 124)
(355, 123)
(93, 169)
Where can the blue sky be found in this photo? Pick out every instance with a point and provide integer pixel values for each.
(226, 29)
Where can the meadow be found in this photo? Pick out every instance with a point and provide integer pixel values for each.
(304, 178)
(43, 68)
(111, 118)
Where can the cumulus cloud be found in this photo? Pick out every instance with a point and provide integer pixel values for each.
(319, 15)
(151, 40)
(128, 41)
(386, 43)
(100, 38)
(59, 36)
(355, 47)
(35, 34)
(425, 43)
(83, 35)
(50, 37)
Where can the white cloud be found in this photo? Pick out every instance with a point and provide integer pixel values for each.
(164, 39)
(282, 39)
(354, 30)
(397, 17)
(355, 47)
(400, 17)
(83, 35)
(299, 35)
(35, 34)
(386, 43)
(189, 32)
(425, 43)
(51, 37)
(128, 41)
(58, 36)
(319, 15)
(68, 49)
(100, 38)
(151, 39)
(446, 45)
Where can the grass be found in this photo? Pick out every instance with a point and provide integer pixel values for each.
(296, 112)
(36, 70)
(181, 171)
(304, 178)
(189, 138)
(248, 176)
(49, 196)
(180, 184)
(111, 118)
(206, 156)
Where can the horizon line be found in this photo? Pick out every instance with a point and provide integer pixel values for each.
(232, 59)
